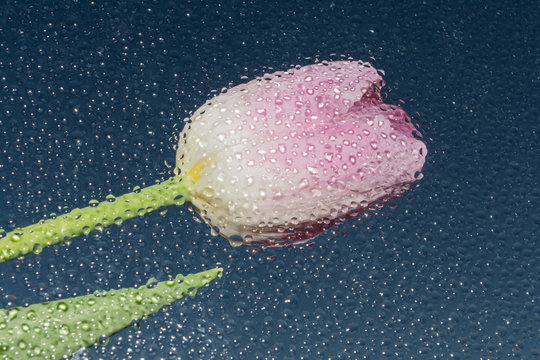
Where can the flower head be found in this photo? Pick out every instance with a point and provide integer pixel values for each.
(287, 153)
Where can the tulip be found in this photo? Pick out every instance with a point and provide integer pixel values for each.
(280, 156)
(276, 160)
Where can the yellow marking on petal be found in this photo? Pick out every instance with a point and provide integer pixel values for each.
(195, 173)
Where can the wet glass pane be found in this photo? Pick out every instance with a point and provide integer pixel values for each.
(94, 96)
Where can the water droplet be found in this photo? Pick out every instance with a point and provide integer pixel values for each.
(303, 184)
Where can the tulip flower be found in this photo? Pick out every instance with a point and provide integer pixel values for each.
(277, 156)
(58, 328)
(277, 159)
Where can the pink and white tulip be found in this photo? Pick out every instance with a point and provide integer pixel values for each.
(279, 156)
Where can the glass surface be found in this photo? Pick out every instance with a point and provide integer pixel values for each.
(94, 94)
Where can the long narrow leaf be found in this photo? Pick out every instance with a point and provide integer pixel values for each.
(54, 329)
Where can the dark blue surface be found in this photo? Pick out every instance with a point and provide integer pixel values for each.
(92, 97)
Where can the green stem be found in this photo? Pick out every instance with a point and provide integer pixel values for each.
(58, 328)
(33, 238)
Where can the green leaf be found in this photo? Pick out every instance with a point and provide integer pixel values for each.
(54, 329)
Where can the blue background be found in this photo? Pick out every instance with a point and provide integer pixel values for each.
(93, 95)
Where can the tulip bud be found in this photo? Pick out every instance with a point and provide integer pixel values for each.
(283, 156)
